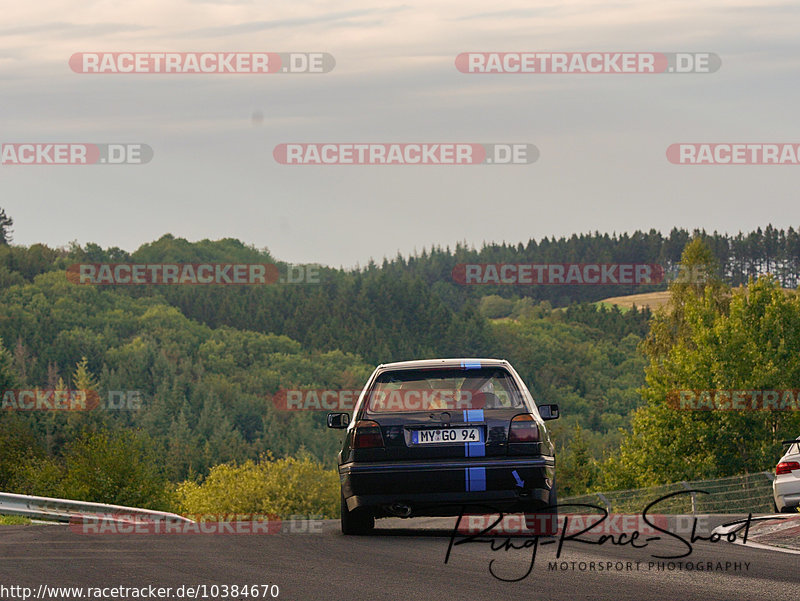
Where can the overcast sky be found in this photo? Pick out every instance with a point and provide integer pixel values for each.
(602, 138)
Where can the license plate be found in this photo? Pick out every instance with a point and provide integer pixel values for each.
(446, 435)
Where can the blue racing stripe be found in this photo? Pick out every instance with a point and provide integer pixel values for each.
(476, 479)
(473, 415)
(476, 449)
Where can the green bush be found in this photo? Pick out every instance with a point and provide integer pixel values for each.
(284, 487)
(18, 443)
(495, 307)
(39, 476)
(13, 520)
(120, 468)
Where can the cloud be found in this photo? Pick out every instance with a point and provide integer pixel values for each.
(517, 13)
(550, 11)
(771, 8)
(222, 2)
(72, 29)
(254, 26)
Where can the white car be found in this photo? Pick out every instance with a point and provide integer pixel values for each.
(786, 486)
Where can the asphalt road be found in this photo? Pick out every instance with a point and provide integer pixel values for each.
(402, 560)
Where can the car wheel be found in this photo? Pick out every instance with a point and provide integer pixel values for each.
(358, 521)
(789, 510)
(544, 525)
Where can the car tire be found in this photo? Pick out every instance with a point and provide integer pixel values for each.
(356, 522)
(789, 509)
(533, 521)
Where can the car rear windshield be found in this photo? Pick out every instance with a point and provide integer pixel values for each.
(443, 389)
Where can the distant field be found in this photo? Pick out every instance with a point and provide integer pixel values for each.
(652, 300)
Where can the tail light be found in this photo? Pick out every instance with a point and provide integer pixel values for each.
(367, 435)
(786, 467)
(523, 429)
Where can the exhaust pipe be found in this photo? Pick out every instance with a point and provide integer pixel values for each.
(401, 510)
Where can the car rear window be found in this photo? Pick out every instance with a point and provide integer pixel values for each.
(443, 389)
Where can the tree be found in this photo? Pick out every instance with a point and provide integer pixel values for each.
(84, 380)
(712, 339)
(119, 468)
(698, 279)
(577, 470)
(182, 451)
(494, 306)
(5, 223)
(7, 377)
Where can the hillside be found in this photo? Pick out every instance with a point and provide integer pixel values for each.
(205, 360)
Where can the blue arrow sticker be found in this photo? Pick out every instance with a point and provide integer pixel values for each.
(520, 481)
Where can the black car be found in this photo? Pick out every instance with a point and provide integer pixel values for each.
(443, 437)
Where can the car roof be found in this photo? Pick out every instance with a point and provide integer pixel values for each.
(452, 362)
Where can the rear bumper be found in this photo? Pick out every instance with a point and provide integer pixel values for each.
(786, 494)
(442, 487)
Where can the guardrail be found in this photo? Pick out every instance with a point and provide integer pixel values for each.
(736, 494)
(65, 510)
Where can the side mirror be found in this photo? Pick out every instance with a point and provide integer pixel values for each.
(338, 421)
(548, 411)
